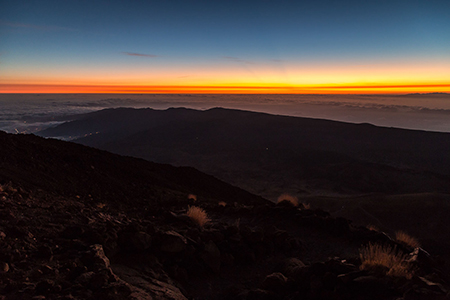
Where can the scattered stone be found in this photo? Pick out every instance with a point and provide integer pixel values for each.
(44, 286)
(172, 242)
(274, 282)
(4, 267)
(211, 256)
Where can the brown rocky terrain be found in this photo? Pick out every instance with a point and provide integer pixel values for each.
(80, 223)
(393, 178)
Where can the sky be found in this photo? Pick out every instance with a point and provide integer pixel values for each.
(171, 46)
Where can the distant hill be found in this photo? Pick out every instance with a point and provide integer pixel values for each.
(428, 94)
(269, 154)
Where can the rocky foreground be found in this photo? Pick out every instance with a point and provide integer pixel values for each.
(55, 247)
(80, 223)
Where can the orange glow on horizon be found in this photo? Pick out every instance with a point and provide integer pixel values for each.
(226, 89)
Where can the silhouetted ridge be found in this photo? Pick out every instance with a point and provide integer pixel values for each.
(258, 151)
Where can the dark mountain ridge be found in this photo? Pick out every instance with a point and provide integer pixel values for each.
(257, 150)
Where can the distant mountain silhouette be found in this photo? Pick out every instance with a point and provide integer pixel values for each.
(426, 94)
(268, 154)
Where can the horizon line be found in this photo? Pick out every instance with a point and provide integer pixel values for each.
(223, 89)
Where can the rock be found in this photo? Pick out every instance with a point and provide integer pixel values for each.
(84, 278)
(134, 241)
(293, 267)
(172, 242)
(340, 267)
(46, 269)
(116, 290)
(348, 277)
(4, 267)
(45, 252)
(252, 235)
(95, 259)
(432, 286)
(274, 282)
(44, 286)
(211, 256)
(72, 232)
(258, 294)
(372, 287)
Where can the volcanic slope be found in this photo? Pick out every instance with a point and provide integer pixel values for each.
(75, 170)
(80, 223)
(270, 154)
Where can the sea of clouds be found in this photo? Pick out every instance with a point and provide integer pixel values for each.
(28, 113)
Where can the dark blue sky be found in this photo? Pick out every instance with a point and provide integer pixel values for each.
(260, 41)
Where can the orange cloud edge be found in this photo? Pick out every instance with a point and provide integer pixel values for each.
(204, 89)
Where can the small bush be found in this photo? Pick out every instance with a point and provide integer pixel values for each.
(289, 198)
(373, 227)
(197, 215)
(406, 239)
(306, 206)
(222, 203)
(386, 259)
(192, 197)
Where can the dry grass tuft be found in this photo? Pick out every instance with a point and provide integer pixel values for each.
(373, 228)
(404, 238)
(197, 215)
(8, 188)
(306, 206)
(289, 198)
(386, 259)
(192, 197)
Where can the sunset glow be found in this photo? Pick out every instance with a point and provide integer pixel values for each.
(126, 89)
(225, 47)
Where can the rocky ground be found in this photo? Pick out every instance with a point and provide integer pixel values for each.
(80, 223)
(58, 247)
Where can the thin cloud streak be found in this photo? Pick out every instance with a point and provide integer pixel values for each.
(139, 54)
(236, 59)
(36, 27)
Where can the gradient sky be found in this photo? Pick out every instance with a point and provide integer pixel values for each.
(322, 46)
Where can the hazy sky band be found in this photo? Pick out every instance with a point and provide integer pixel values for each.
(285, 44)
(386, 89)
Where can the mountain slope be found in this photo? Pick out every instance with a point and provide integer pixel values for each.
(270, 154)
(80, 223)
(72, 169)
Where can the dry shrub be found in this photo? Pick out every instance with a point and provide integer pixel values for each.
(306, 206)
(289, 198)
(373, 227)
(222, 203)
(391, 261)
(406, 239)
(9, 188)
(101, 205)
(192, 197)
(1, 188)
(197, 215)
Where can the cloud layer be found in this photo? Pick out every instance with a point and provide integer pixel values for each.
(139, 54)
